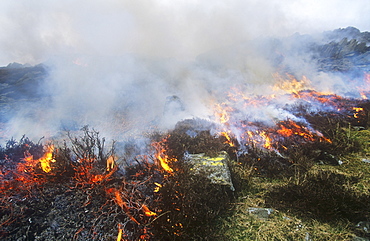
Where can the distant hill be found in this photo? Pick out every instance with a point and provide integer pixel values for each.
(19, 85)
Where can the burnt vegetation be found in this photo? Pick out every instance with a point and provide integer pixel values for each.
(191, 204)
(85, 198)
(93, 194)
(81, 189)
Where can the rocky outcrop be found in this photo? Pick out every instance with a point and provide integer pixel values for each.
(19, 84)
(344, 50)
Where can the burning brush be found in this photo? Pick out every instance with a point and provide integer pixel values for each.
(187, 180)
(161, 196)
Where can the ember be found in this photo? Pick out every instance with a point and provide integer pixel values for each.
(147, 212)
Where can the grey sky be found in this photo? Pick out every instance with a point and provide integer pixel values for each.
(32, 31)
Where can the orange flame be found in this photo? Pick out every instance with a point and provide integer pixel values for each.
(267, 140)
(47, 158)
(147, 211)
(261, 138)
(291, 85)
(26, 167)
(321, 97)
(163, 158)
(119, 236)
(363, 95)
(295, 129)
(158, 187)
(222, 113)
(291, 128)
(110, 163)
(164, 162)
(123, 205)
(357, 109)
(228, 139)
(85, 173)
(44, 161)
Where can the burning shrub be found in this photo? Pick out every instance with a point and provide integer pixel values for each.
(159, 195)
(87, 191)
(26, 168)
(14, 150)
(87, 157)
(338, 130)
(69, 200)
(189, 201)
(24, 165)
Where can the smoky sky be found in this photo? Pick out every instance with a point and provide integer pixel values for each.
(127, 67)
(33, 31)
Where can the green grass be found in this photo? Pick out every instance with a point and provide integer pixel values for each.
(323, 203)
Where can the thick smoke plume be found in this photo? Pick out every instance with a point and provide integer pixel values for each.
(34, 31)
(127, 68)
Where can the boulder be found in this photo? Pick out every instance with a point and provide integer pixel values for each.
(215, 168)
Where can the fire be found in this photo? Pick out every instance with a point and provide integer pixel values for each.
(26, 173)
(161, 155)
(290, 128)
(228, 139)
(147, 211)
(363, 95)
(30, 162)
(110, 163)
(365, 87)
(232, 112)
(120, 229)
(85, 173)
(324, 98)
(291, 85)
(260, 138)
(272, 138)
(302, 89)
(295, 129)
(267, 140)
(357, 111)
(164, 162)
(123, 205)
(158, 186)
(222, 113)
(47, 158)
(284, 131)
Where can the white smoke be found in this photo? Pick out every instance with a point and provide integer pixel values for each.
(127, 67)
(34, 31)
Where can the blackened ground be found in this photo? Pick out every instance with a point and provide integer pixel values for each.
(188, 207)
(62, 205)
(57, 212)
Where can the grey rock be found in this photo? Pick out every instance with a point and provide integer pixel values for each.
(262, 213)
(364, 226)
(215, 168)
(366, 160)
